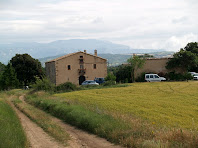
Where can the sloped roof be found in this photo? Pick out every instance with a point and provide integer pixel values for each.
(68, 55)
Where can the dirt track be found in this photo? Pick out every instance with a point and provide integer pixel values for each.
(36, 136)
(79, 139)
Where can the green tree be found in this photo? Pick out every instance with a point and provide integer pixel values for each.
(27, 68)
(186, 59)
(110, 77)
(192, 47)
(8, 79)
(136, 63)
(123, 74)
(2, 67)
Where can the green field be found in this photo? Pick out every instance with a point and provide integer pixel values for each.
(11, 131)
(163, 114)
(172, 104)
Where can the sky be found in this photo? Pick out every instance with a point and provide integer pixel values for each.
(144, 24)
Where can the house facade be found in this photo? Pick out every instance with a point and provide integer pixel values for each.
(76, 68)
(156, 65)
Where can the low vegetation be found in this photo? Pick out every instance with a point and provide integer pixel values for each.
(45, 85)
(43, 120)
(165, 103)
(141, 115)
(11, 131)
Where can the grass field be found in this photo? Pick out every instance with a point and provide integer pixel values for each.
(172, 104)
(140, 115)
(11, 132)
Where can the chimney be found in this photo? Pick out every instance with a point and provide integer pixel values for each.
(85, 51)
(95, 52)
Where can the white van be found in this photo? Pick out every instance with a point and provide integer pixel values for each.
(154, 78)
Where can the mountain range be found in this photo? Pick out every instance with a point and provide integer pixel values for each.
(41, 50)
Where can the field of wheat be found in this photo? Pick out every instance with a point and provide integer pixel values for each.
(167, 104)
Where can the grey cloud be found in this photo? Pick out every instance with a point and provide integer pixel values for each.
(180, 20)
(121, 21)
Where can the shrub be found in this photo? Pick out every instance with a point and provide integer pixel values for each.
(179, 76)
(43, 84)
(68, 86)
(109, 83)
(110, 77)
(141, 78)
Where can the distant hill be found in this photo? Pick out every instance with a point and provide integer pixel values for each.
(41, 50)
(114, 59)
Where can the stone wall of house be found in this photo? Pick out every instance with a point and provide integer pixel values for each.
(67, 69)
(156, 65)
(51, 71)
(153, 65)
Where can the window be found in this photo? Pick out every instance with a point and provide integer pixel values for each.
(81, 67)
(81, 57)
(156, 76)
(151, 76)
(81, 60)
(94, 66)
(147, 76)
(69, 67)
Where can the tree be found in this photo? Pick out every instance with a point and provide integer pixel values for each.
(2, 67)
(192, 47)
(123, 74)
(8, 79)
(186, 59)
(110, 77)
(27, 68)
(135, 62)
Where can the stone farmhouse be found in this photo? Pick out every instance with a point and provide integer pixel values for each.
(76, 68)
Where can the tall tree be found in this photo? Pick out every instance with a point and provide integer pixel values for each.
(8, 79)
(2, 67)
(192, 47)
(135, 62)
(27, 68)
(186, 59)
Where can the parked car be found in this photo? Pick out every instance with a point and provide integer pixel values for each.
(154, 78)
(89, 82)
(99, 80)
(195, 77)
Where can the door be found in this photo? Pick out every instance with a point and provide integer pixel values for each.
(81, 79)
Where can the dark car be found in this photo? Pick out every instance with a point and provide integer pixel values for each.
(99, 80)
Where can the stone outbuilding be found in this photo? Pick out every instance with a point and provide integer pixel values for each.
(156, 65)
(76, 68)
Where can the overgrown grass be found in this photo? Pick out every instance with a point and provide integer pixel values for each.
(43, 120)
(126, 115)
(11, 131)
(102, 86)
(97, 123)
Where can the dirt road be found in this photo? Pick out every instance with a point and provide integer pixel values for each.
(79, 139)
(35, 134)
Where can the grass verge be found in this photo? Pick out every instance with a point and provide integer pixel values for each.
(11, 131)
(43, 120)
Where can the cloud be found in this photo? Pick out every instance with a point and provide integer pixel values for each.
(175, 42)
(139, 24)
